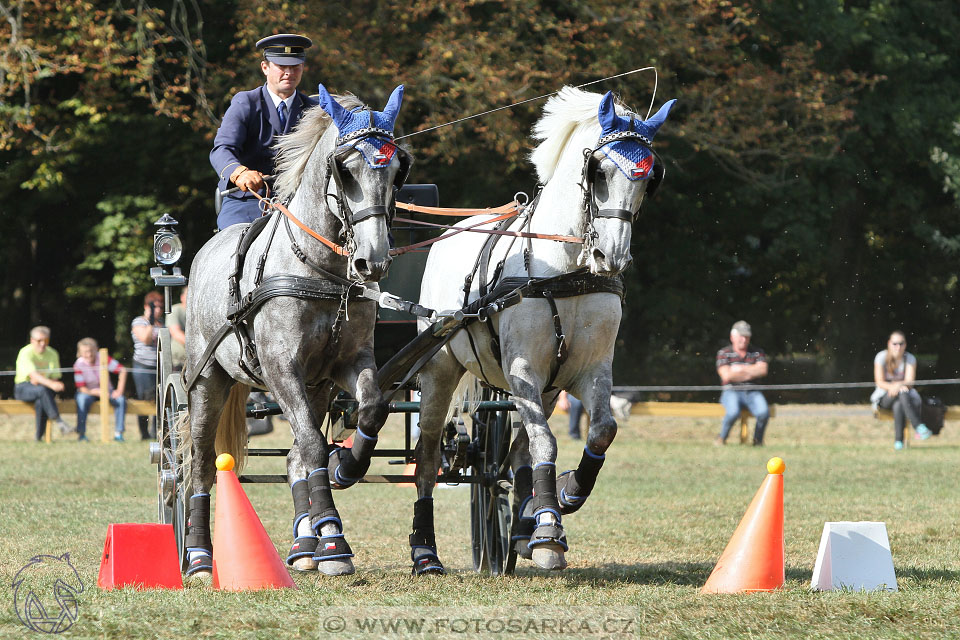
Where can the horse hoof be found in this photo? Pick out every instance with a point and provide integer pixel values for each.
(198, 580)
(337, 567)
(428, 565)
(549, 556)
(304, 564)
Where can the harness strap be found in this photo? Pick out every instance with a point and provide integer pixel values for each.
(249, 362)
(261, 263)
(449, 211)
(273, 287)
(407, 362)
(622, 214)
(515, 234)
(205, 357)
(375, 210)
(455, 230)
(302, 257)
(561, 340)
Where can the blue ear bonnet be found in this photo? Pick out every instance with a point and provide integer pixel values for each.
(376, 145)
(633, 157)
(359, 118)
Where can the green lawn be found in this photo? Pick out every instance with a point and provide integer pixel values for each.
(664, 508)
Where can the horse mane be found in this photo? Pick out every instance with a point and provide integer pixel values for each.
(569, 117)
(295, 148)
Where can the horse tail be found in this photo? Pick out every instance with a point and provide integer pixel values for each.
(232, 428)
(231, 432)
(465, 397)
(184, 451)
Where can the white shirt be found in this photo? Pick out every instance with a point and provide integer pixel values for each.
(277, 100)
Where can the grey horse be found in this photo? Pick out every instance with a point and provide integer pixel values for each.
(311, 335)
(595, 162)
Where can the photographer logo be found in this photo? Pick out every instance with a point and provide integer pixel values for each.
(45, 594)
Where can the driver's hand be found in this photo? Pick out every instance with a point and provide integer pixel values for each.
(247, 179)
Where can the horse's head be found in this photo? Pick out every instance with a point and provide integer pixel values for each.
(617, 173)
(363, 171)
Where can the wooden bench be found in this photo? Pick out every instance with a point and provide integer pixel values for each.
(69, 407)
(887, 414)
(693, 410)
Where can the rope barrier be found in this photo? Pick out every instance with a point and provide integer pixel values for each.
(774, 387)
(70, 370)
(656, 388)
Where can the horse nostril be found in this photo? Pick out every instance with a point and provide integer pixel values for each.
(361, 267)
(598, 256)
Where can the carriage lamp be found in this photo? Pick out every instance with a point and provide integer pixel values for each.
(167, 246)
(167, 249)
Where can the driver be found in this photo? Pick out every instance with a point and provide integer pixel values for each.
(242, 151)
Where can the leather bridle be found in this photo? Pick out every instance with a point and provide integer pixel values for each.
(591, 161)
(346, 146)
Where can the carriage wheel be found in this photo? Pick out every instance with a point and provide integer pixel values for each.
(164, 368)
(172, 487)
(490, 511)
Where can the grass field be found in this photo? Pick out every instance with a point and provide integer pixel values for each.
(665, 506)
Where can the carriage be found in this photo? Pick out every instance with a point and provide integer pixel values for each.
(315, 342)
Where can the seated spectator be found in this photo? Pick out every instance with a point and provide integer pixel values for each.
(37, 380)
(894, 371)
(740, 364)
(86, 375)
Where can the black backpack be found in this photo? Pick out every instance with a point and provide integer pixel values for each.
(932, 412)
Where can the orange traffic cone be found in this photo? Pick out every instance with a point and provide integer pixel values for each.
(753, 559)
(243, 554)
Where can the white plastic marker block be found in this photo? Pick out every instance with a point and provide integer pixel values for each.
(854, 555)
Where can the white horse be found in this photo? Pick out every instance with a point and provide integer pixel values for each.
(595, 162)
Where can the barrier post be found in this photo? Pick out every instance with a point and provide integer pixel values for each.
(104, 396)
(743, 427)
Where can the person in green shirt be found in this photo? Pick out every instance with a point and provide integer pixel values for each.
(37, 380)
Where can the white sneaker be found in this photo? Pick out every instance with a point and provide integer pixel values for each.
(65, 428)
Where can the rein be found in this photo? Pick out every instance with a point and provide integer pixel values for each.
(449, 211)
(494, 232)
(417, 245)
(507, 211)
(336, 248)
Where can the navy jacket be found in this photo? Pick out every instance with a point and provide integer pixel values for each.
(248, 131)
